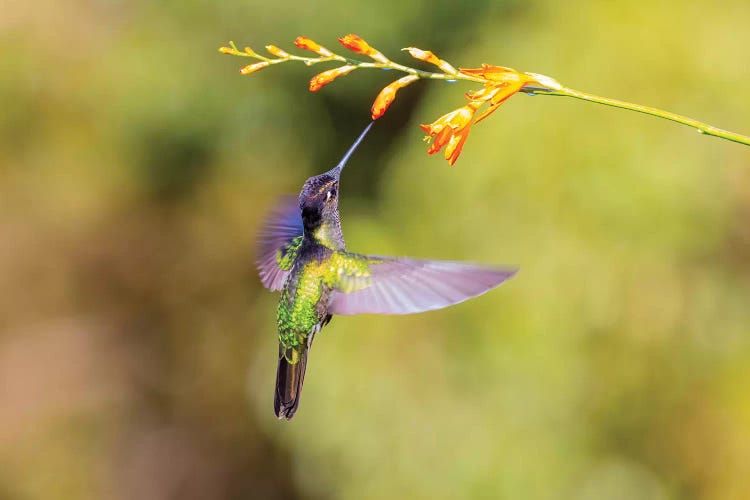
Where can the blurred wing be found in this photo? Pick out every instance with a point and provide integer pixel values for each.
(404, 286)
(278, 242)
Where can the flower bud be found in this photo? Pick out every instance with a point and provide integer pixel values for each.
(274, 50)
(429, 57)
(388, 94)
(356, 44)
(322, 79)
(305, 43)
(252, 68)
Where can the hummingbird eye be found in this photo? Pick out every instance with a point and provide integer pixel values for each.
(330, 194)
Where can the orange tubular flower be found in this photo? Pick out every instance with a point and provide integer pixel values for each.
(322, 79)
(501, 84)
(500, 95)
(357, 44)
(494, 73)
(451, 129)
(305, 43)
(252, 68)
(388, 94)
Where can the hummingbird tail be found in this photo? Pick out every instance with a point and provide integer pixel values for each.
(289, 379)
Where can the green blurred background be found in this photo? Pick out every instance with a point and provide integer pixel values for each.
(137, 347)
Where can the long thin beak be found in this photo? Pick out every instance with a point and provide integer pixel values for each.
(336, 171)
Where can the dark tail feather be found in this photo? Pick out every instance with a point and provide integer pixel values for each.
(289, 379)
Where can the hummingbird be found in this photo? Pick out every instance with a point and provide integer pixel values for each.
(301, 252)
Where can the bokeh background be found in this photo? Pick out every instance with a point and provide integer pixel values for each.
(137, 348)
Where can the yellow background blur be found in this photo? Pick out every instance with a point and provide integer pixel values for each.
(137, 348)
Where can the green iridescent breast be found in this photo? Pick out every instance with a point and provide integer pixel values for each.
(300, 308)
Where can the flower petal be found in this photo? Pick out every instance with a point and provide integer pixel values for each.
(440, 140)
(490, 72)
(456, 145)
(504, 93)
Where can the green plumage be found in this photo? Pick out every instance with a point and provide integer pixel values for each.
(317, 269)
(285, 256)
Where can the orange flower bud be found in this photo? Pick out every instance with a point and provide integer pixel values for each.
(252, 68)
(388, 94)
(357, 44)
(429, 57)
(274, 50)
(305, 43)
(322, 79)
(422, 55)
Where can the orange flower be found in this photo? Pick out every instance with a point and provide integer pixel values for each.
(322, 79)
(357, 44)
(305, 43)
(451, 129)
(500, 95)
(386, 96)
(429, 57)
(495, 73)
(252, 68)
(501, 84)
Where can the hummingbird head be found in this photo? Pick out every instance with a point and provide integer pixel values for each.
(319, 198)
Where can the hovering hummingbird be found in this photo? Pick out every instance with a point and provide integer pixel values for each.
(302, 253)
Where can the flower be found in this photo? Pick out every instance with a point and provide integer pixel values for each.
(429, 57)
(252, 68)
(386, 96)
(451, 129)
(305, 43)
(322, 79)
(501, 83)
(496, 96)
(356, 44)
(492, 72)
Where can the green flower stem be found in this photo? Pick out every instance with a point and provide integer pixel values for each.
(701, 127)
(429, 75)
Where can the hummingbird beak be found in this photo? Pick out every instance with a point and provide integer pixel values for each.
(336, 171)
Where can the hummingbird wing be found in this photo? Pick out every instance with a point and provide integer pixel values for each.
(404, 286)
(278, 242)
